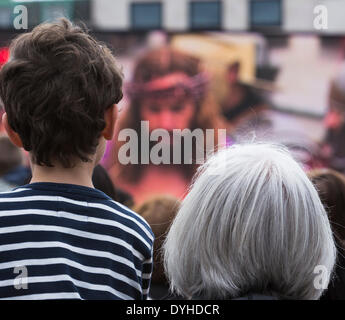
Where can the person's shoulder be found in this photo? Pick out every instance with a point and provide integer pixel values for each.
(133, 219)
(14, 193)
(118, 207)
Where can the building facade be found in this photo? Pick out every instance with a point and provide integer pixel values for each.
(266, 16)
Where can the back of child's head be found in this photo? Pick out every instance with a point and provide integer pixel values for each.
(55, 88)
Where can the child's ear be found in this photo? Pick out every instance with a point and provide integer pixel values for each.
(110, 116)
(13, 136)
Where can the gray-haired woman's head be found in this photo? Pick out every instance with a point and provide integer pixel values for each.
(252, 222)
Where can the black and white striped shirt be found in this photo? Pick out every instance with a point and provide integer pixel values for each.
(66, 241)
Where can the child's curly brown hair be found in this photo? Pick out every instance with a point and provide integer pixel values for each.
(55, 89)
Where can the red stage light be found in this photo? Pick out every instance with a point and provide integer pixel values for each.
(4, 55)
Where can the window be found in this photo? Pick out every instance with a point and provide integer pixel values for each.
(205, 15)
(82, 10)
(72, 9)
(265, 13)
(34, 14)
(146, 15)
(53, 11)
(5, 17)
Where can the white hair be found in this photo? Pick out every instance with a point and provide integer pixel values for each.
(251, 223)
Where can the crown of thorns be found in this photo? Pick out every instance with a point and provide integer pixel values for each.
(169, 85)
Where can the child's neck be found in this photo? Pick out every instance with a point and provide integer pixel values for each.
(79, 175)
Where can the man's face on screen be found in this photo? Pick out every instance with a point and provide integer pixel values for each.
(168, 113)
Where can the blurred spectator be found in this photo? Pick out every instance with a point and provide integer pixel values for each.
(331, 187)
(252, 224)
(243, 103)
(159, 212)
(124, 198)
(333, 146)
(169, 90)
(102, 182)
(12, 173)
